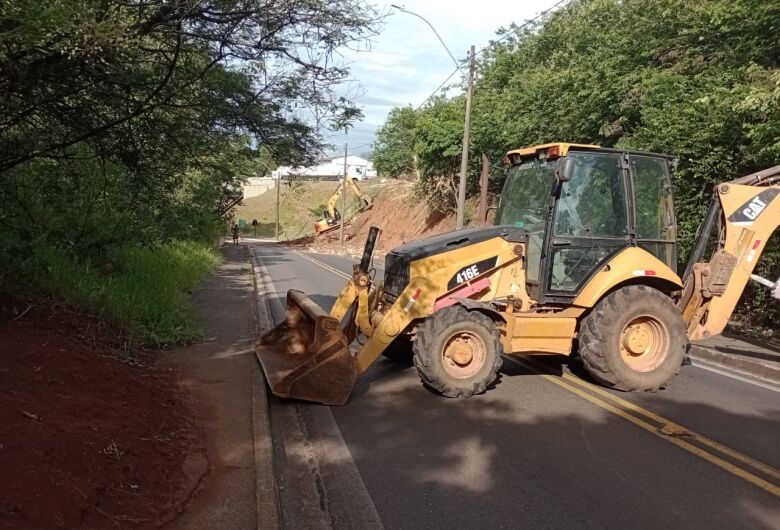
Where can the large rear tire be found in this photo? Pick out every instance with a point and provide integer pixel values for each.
(457, 352)
(634, 339)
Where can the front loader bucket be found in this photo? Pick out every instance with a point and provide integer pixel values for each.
(307, 356)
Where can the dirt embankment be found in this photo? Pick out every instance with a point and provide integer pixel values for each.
(397, 212)
(89, 437)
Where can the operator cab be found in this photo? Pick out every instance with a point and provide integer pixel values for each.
(580, 206)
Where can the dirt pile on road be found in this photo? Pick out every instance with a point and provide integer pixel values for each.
(89, 438)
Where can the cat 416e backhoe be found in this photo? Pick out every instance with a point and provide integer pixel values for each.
(582, 259)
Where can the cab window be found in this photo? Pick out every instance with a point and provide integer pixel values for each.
(593, 203)
(656, 228)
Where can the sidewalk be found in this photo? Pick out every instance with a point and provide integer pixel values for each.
(738, 356)
(223, 375)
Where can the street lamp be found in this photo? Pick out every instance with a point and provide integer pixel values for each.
(404, 10)
(464, 157)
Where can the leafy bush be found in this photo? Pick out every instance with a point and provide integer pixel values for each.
(394, 154)
(125, 127)
(146, 288)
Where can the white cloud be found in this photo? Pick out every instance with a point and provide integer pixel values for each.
(406, 62)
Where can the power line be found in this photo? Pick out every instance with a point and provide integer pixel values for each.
(438, 88)
(504, 37)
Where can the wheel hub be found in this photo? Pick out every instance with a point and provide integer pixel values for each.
(637, 338)
(644, 343)
(460, 351)
(463, 354)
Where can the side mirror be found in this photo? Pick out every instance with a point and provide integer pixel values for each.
(565, 169)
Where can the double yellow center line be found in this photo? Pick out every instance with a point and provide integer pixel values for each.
(718, 454)
(324, 265)
(755, 472)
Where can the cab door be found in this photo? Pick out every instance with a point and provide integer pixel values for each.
(589, 225)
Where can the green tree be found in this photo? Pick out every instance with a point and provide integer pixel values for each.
(393, 150)
(133, 122)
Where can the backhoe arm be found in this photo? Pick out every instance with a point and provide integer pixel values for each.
(743, 215)
(365, 199)
(330, 210)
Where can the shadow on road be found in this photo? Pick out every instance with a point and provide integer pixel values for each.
(547, 459)
(530, 454)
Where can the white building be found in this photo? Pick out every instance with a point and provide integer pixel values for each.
(255, 186)
(357, 168)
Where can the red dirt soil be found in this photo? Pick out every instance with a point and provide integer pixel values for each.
(399, 215)
(89, 437)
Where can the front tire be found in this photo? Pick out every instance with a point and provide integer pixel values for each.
(457, 352)
(634, 339)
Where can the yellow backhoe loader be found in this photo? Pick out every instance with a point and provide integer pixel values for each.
(581, 260)
(332, 219)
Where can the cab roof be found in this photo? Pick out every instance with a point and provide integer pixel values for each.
(563, 149)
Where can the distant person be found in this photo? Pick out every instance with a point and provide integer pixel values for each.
(235, 234)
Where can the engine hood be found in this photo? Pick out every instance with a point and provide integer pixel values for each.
(398, 261)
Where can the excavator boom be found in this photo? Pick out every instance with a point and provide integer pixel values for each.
(742, 217)
(332, 219)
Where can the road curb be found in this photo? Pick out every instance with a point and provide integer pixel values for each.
(266, 488)
(761, 370)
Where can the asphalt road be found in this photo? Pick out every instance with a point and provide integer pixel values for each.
(545, 448)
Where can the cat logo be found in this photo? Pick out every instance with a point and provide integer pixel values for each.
(755, 207)
(749, 212)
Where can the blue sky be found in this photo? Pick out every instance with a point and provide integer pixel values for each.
(406, 62)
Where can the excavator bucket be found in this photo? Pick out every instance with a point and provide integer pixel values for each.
(307, 356)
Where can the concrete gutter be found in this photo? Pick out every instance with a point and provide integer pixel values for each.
(266, 487)
(738, 358)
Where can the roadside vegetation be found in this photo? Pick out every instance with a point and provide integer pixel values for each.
(126, 129)
(699, 81)
(145, 288)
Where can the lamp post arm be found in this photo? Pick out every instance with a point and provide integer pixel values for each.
(457, 64)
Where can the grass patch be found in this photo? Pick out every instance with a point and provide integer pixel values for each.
(147, 289)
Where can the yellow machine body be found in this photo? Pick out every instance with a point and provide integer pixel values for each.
(486, 270)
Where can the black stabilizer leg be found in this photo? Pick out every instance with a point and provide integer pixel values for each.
(368, 250)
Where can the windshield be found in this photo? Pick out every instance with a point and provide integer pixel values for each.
(526, 194)
(524, 203)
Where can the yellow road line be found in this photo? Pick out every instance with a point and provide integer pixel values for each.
(324, 265)
(621, 408)
(736, 455)
(701, 453)
(618, 411)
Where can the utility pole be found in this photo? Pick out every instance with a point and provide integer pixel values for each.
(464, 160)
(483, 190)
(343, 197)
(278, 188)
